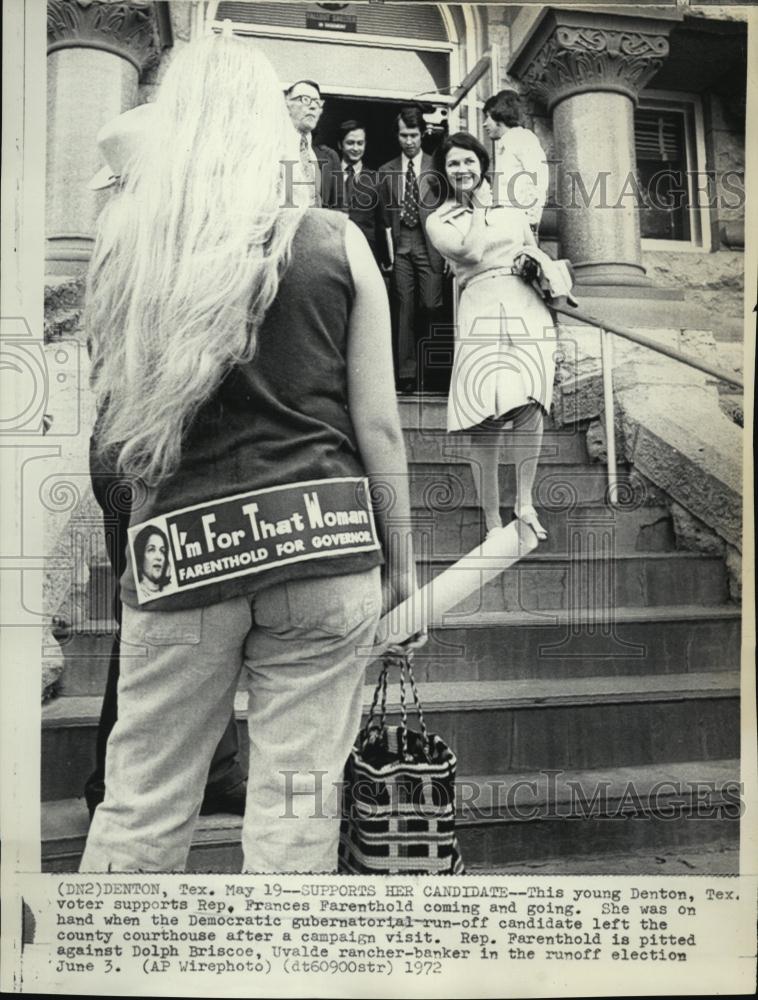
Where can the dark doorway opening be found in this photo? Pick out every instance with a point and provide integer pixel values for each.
(378, 115)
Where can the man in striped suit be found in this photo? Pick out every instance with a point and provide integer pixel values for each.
(315, 176)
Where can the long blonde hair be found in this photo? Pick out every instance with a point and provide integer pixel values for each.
(189, 257)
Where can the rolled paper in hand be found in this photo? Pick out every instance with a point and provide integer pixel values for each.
(427, 606)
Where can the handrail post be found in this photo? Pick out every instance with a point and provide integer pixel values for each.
(606, 358)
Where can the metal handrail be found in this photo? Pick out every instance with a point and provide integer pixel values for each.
(638, 338)
(606, 360)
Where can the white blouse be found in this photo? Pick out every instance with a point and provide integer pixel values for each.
(521, 172)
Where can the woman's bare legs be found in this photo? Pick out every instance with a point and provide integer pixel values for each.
(485, 463)
(525, 440)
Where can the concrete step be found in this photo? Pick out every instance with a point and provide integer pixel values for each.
(544, 581)
(527, 818)
(719, 856)
(215, 844)
(428, 411)
(473, 644)
(558, 488)
(434, 444)
(513, 725)
(637, 642)
(509, 818)
(451, 533)
(596, 583)
(586, 722)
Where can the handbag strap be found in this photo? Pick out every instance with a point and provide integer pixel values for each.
(397, 656)
(406, 666)
(381, 688)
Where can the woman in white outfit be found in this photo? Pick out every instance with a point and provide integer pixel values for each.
(504, 360)
(521, 173)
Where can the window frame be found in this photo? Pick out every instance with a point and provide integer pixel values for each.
(696, 163)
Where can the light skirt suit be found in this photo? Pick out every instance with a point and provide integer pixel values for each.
(505, 338)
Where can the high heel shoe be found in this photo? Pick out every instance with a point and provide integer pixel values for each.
(528, 515)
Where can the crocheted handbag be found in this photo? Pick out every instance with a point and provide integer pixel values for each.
(399, 792)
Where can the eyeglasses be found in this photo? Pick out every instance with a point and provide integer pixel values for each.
(308, 102)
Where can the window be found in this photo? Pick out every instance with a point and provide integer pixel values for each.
(670, 163)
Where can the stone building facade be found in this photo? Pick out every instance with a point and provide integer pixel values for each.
(664, 82)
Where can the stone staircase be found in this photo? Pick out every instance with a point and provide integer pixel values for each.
(591, 692)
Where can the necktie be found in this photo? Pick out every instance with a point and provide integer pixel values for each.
(309, 171)
(349, 184)
(409, 214)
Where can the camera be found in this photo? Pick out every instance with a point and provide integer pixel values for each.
(436, 119)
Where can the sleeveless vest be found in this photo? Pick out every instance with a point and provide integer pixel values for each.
(270, 484)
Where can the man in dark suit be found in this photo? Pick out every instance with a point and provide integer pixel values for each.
(358, 190)
(314, 179)
(410, 192)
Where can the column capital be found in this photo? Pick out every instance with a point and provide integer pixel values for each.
(129, 30)
(571, 52)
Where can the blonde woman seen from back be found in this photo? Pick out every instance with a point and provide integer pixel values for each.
(241, 349)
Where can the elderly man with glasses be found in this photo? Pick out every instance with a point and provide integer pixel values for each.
(314, 178)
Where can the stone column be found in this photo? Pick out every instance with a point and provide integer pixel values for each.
(588, 69)
(96, 52)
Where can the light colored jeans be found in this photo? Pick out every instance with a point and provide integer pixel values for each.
(304, 644)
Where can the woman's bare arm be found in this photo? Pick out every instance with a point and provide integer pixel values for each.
(373, 409)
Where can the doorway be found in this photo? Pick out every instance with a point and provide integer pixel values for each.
(378, 115)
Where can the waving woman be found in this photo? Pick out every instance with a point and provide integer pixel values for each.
(504, 359)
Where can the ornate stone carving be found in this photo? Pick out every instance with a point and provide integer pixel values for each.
(573, 59)
(126, 29)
